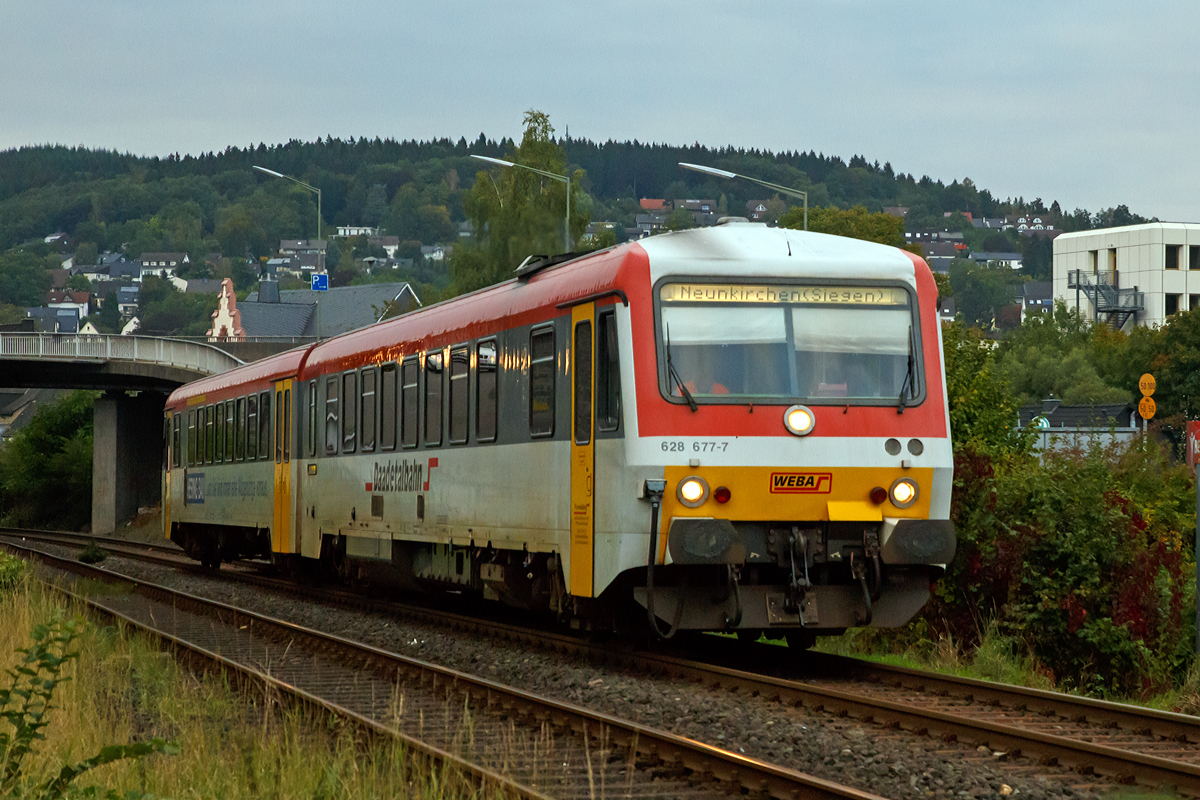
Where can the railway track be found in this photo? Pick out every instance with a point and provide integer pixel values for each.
(531, 746)
(1126, 744)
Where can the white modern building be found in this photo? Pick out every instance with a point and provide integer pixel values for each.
(1132, 275)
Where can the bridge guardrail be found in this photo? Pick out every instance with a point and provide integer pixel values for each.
(196, 356)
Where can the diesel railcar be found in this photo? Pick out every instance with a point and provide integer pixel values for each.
(734, 428)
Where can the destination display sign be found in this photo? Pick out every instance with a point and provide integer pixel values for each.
(782, 295)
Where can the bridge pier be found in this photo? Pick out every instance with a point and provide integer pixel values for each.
(126, 457)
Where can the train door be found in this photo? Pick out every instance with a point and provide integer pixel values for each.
(166, 471)
(281, 529)
(583, 451)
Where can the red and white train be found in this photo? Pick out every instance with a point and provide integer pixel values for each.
(732, 428)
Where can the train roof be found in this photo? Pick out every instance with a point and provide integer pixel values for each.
(263, 371)
(774, 252)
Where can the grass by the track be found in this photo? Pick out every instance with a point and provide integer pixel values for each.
(232, 743)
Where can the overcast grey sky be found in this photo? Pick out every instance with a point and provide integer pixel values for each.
(1093, 104)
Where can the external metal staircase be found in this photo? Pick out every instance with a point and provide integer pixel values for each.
(1116, 304)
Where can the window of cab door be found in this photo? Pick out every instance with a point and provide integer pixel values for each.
(460, 392)
(311, 432)
(264, 425)
(252, 427)
(608, 374)
(176, 425)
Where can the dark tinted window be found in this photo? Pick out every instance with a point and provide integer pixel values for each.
(460, 366)
(485, 392)
(410, 373)
(349, 423)
(251, 427)
(331, 415)
(433, 398)
(387, 406)
(583, 382)
(239, 429)
(177, 422)
(264, 425)
(191, 437)
(608, 374)
(210, 432)
(311, 428)
(229, 430)
(367, 411)
(219, 411)
(541, 382)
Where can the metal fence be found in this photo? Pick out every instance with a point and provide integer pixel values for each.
(194, 356)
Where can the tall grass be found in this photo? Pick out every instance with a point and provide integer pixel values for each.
(233, 743)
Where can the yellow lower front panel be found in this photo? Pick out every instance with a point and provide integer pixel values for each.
(795, 494)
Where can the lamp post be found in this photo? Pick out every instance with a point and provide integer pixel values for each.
(275, 174)
(552, 175)
(721, 173)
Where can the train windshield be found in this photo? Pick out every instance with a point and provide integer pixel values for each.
(760, 343)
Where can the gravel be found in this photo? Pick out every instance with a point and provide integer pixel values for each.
(892, 763)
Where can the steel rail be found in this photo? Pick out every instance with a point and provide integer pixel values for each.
(743, 773)
(1122, 764)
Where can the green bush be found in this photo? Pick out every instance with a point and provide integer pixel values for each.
(12, 573)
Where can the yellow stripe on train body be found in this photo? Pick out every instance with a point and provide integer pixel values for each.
(797, 494)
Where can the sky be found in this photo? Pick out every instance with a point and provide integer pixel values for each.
(1093, 104)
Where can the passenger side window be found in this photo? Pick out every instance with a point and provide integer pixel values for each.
(210, 424)
(177, 422)
(410, 373)
(608, 374)
(331, 415)
(229, 430)
(387, 407)
(541, 382)
(191, 437)
(366, 411)
(485, 392)
(219, 410)
(433, 399)
(251, 427)
(239, 429)
(460, 368)
(349, 431)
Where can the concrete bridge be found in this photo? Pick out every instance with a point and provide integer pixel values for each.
(136, 374)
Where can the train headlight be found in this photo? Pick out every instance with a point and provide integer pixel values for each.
(692, 491)
(799, 420)
(904, 492)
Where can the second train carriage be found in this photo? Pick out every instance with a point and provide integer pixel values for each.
(740, 428)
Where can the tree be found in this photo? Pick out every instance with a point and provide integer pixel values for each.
(78, 283)
(24, 280)
(108, 319)
(681, 220)
(86, 253)
(376, 205)
(855, 223)
(517, 212)
(333, 253)
(981, 290)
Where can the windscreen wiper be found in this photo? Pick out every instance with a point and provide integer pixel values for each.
(908, 374)
(691, 401)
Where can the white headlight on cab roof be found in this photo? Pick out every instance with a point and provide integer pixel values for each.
(799, 420)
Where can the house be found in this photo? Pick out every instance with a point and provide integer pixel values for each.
(123, 270)
(346, 231)
(938, 255)
(271, 313)
(56, 298)
(131, 327)
(295, 247)
(433, 253)
(127, 300)
(54, 320)
(93, 272)
(654, 204)
(1060, 427)
(162, 264)
(756, 210)
(1034, 297)
(1030, 222)
(997, 223)
(202, 286)
(389, 244)
(946, 309)
(896, 211)
(1012, 260)
(1145, 273)
(88, 329)
(704, 212)
(649, 223)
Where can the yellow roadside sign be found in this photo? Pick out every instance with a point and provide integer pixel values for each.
(1147, 383)
(1146, 408)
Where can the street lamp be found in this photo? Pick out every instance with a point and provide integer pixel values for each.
(275, 174)
(721, 173)
(554, 176)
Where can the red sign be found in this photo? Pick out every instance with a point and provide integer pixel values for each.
(1193, 443)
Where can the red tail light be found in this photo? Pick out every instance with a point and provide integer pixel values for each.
(721, 494)
(878, 495)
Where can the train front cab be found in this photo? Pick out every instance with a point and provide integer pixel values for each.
(800, 505)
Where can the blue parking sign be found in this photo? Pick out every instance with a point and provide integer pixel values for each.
(320, 281)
